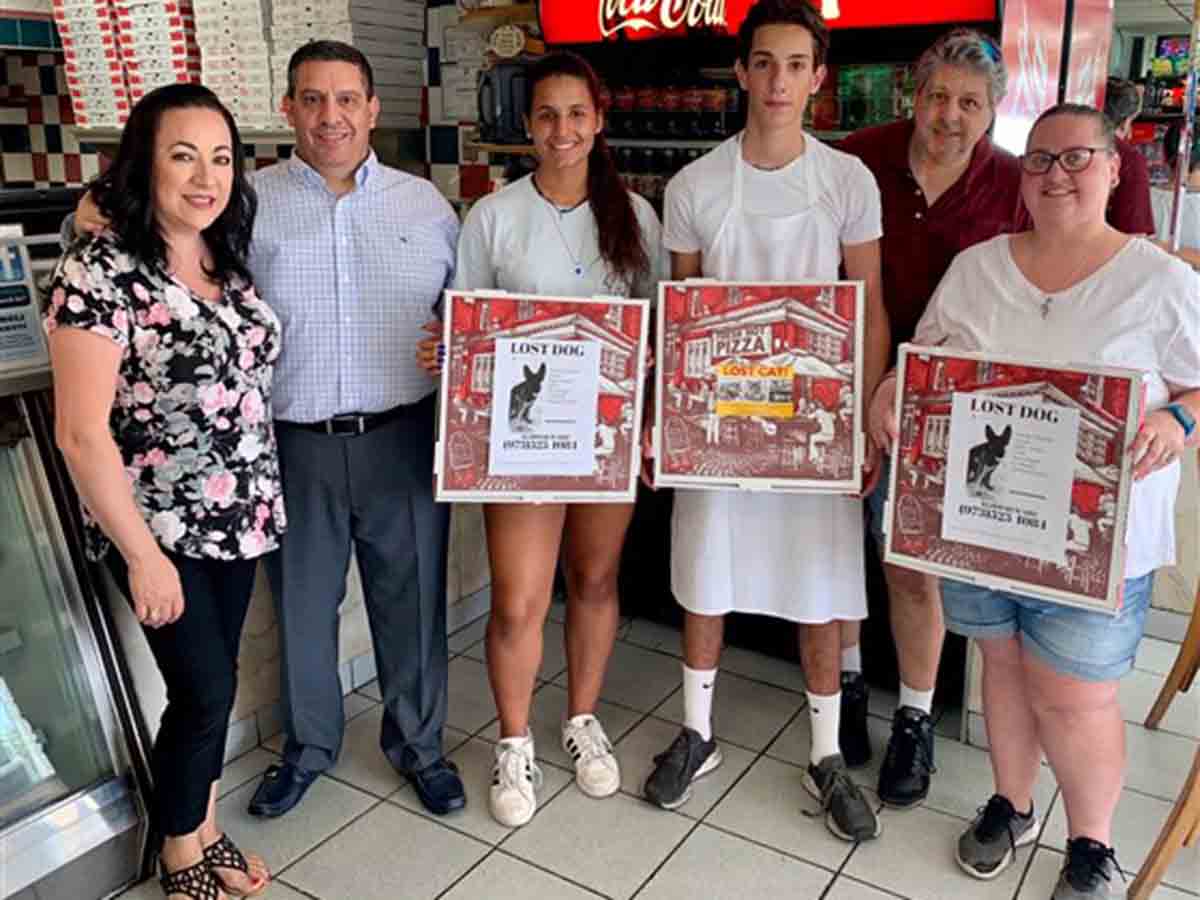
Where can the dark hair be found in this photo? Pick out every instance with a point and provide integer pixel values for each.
(330, 51)
(621, 241)
(1121, 100)
(1171, 145)
(125, 192)
(783, 12)
(1104, 124)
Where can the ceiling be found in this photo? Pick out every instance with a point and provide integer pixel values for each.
(1175, 15)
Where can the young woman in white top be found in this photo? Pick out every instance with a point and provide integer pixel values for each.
(570, 229)
(1073, 288)
(1162, 199)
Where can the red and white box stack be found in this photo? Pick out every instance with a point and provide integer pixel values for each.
(157, 43)
(94, 69)
(237, 59)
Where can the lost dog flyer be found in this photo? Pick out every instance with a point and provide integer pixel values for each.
(1009, 470)
(544, 401)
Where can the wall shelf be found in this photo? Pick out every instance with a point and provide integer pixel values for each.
(517, 149)
(110, 136)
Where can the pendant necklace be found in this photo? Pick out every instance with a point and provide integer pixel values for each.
(556, 214)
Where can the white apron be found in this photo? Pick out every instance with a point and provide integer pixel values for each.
(793, 557)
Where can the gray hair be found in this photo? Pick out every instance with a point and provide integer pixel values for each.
(967, 49)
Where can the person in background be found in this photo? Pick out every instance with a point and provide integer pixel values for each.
(1163, 198)
(945, 187)
(774, 204)
(352, 255)
(163, 357)
(1072, 288)
(1129, 206)
(570, 229)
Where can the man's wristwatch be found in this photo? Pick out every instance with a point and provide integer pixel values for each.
(1183, 416)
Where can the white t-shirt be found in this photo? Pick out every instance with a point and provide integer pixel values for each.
(1137, 311)
(699, 197)
(516, 240)
(1162, 200)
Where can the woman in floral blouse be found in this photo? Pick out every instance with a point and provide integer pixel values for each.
(163, 356)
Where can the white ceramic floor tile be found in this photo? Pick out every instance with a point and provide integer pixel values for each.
(474, 760)
(947, 722)
(714, 864)
(611, 845)
(747, 713)
(467, 635)
(769, 805)
(652, 636)
(371, 691)
(149, 890)
(355, 704)
(327, 807)
(361, 763)
(1158, 761)
(1136, 825)
(1156, 656)
(784, 673)
(387, 853)
(1138, 692)
(546, 716)
(501, 877)
(554, 652)
(470, 703)
(636, 752)
(914, 857)
(637, 678)
(246, 768)
(558, 609)
(846, 888)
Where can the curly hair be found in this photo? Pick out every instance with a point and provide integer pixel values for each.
(125, 192)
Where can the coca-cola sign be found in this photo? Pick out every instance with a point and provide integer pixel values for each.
(590, 21)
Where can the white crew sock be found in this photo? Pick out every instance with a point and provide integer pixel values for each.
(852, 659)
(922, 700)
(697, 700)
(824, 712)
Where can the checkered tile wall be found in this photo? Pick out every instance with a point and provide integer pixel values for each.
(36, 150)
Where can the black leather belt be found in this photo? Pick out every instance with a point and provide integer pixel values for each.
(352, 424)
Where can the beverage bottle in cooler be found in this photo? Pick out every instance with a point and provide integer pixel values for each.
(714, 111)
(732, 122)
(691, 107)
(623, 111)
(671, 106)
(647, 112)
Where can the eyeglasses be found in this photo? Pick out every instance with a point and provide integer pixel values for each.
(1073, 159)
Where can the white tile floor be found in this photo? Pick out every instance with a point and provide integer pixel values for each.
(748, 831)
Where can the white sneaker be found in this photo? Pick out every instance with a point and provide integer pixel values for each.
(515, 780)
(596, 769)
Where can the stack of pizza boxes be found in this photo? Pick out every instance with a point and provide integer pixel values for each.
(95, 72)
(237, 59)
(157, 43)
(391, 33)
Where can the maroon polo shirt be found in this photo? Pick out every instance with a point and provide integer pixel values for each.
(1129, 208)
(919, 240)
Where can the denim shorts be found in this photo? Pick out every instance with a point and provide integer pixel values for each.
(1078, 643)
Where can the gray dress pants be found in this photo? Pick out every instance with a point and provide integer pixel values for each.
(372, 492)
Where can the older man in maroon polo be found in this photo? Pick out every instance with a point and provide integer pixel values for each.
(944, 187)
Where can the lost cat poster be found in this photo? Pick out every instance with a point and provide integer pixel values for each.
(1009, 466)
(540, 398)
(1013, 474)
(544, 399)
(759, 386)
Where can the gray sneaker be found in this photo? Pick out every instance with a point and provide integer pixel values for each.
(689, 757)
(847, 812)
(990, 844)
(1088, 871)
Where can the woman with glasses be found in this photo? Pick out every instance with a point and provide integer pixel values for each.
(1073, 288)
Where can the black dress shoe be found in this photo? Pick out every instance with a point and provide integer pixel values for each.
(439, 787)
(283, 786)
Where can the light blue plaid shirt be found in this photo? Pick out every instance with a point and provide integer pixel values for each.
(352, 279)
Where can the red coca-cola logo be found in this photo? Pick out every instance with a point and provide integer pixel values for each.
(659, 15)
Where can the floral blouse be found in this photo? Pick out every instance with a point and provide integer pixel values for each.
(192, 415)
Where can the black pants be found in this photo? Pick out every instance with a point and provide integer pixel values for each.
(197, 656)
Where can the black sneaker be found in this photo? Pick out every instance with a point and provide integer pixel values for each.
(1088, 871)
(848, 813)
(904, 777)
(689, 757)
(989, 845)
(852, 732)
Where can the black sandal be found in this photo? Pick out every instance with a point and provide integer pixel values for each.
(195, 882)
(224, 854)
